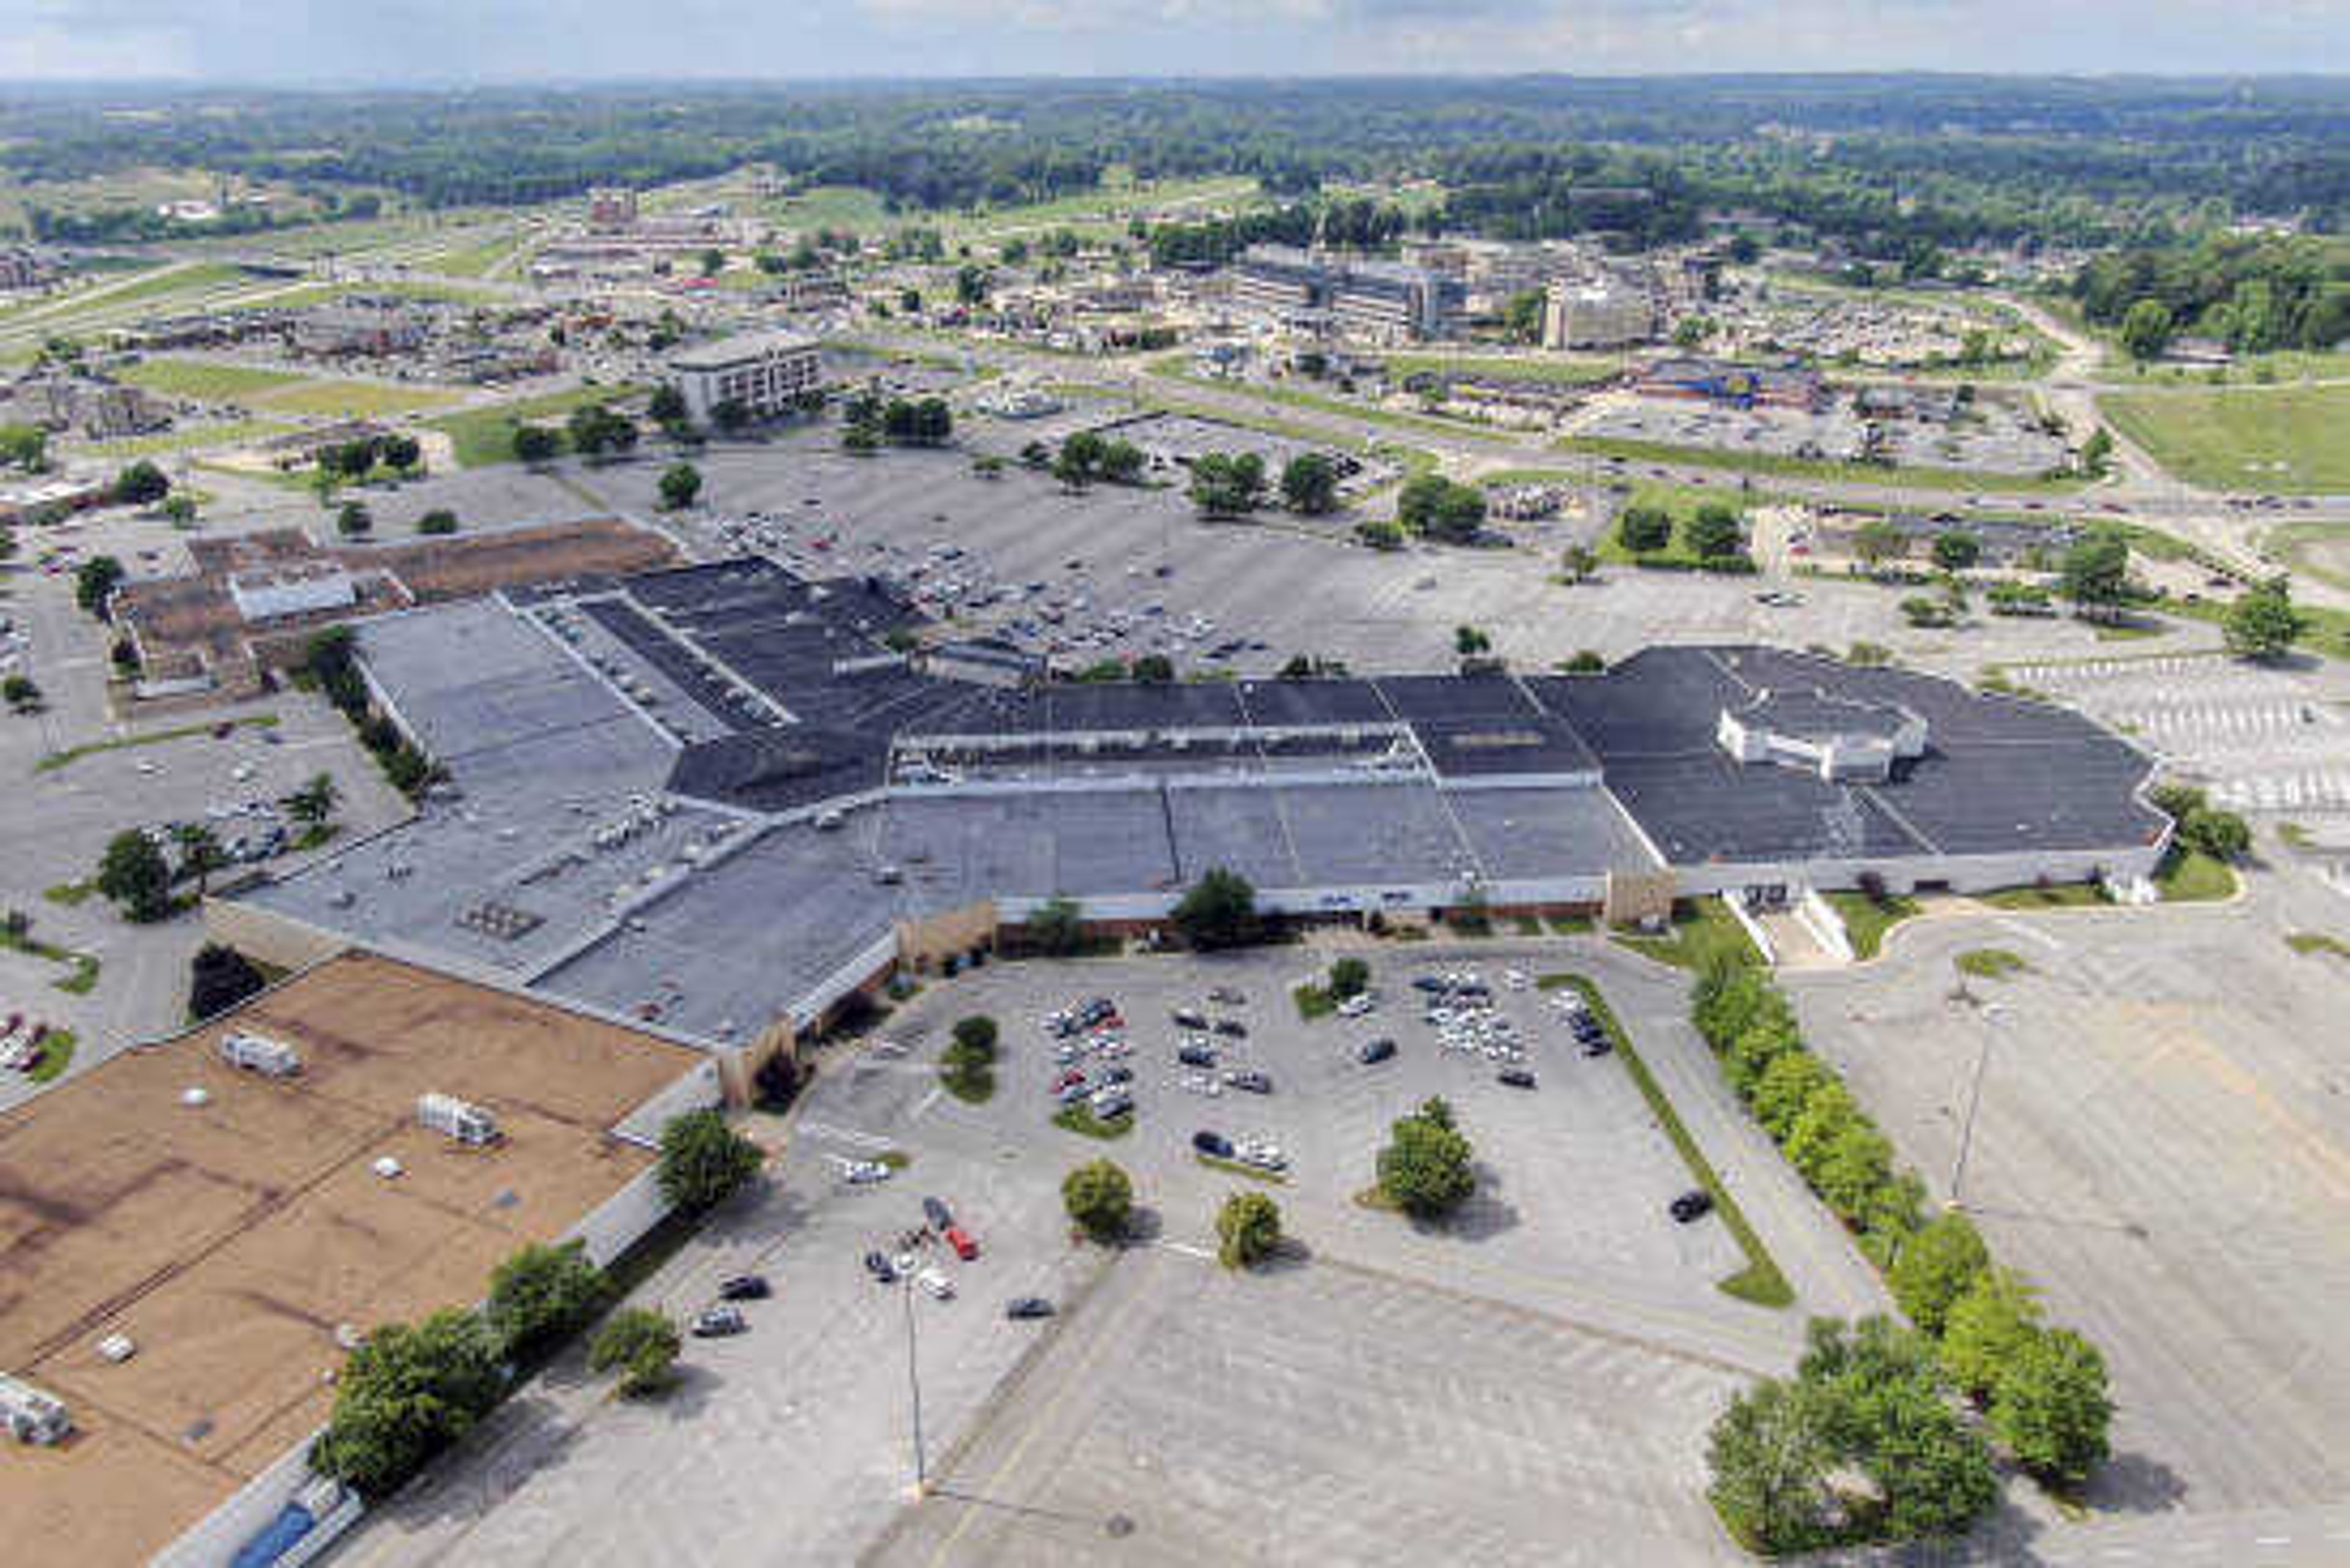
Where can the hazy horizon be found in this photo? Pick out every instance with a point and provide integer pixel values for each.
(442, 44)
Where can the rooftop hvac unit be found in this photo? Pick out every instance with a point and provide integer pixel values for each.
(467, 1123)
(259, 1053)
(32, 1416)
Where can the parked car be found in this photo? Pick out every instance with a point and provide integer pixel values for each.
(1196, 1055)
(1694, 1204)
(1515, 1077)
(1214, 1144)
(966, 1247)
(1027, 1307)
(940, 1217)
(878, 1266)
(940, 1287)
(1254, 1082)
(743, 1288)
(1232, 1028)
(1226, 996)
(1190, 1018)
(719, 1322)
(1372, 1051)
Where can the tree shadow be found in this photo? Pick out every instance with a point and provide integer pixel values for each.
(1144, 1226)
(526, 1436)
(1289, 1255)
(1482, 1216)
(2135, 1483)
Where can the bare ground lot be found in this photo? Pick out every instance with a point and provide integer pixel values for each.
(2163, 1144)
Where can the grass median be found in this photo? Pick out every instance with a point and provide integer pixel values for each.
(1759, 1281)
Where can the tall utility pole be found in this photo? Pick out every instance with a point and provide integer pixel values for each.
(914, 1385)
(1967, 1128)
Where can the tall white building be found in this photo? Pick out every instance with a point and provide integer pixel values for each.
(1603, 315)
(767, 372)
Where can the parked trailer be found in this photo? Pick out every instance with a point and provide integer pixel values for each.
(32, 1416)
(467, 1124)
(260, 1054)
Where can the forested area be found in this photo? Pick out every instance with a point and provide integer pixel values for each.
(2254, 294)
(1886, 163)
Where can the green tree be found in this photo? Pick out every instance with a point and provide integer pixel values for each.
(702, 1160)
(1769, 1459)
(1986, 1328)
(1079, 460)
(1433, 505)
(713, 262)
(1787, 1085)
(667, 406)
(1713, 532)
(315, 802)
(21, 692)
(438, 521)
(2052, 1408)
(180, 509)
(1826, 1114)
(1219, 911)
(1955, 551)
(1099, 1197)
(536, 444)
(94, 581)
(1938, 1267)
(1884, 1411)
(2221, 834)
(1152, 670)
(541, 1295)
(1770, 1036)
(140, 484)
(2096, 574)
(405, 1395)
(1123, 462)
(24, 446)
(643, 1344)
(1428, 1168)
(680, 483)
(1309, 485)
(403, 452)
(200, 854)
(1248, 1228)
(1856, 1161)
(1644, 529)
(134, 874)
(1349, 977)
(1227, 485)
(1522, 316)
(1057, 927)
(353, 521)
(2097, 452)
(977, 1032)
(2146, 330)
(2263, 623)
(1579, 563)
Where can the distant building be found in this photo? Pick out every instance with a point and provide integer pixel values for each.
(1387, 300)
(299, 588)
(22, 268)
(1606, 314)
(1740, 386)
(768, 372)
(342, 331)
(609, 207)
(111, 413)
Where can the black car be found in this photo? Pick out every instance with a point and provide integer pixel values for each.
(1515, 1077)
(1188, 1018)
(939, 1216)
(1371, 1051)
(1213, 1144)
(1027, 1306)
(1226, 996)
(1428, 983)
(743, 1288)
(1598, 1047)
(1232, 1028)
(1694, 1204)
(878, 1265)
(1253, 1082)
(718, 1323)
(1117, 1075)
(1196, 1056)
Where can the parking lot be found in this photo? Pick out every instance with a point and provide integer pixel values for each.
(61, 816)
(1563, 1336)
(2161, 1145)
(1288, 586)
(1996, 438)
(2269, 738)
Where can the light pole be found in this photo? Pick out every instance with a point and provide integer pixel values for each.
(1967, 1128)
(914, 1386)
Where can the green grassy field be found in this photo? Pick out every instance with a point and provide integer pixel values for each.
(475, 258)
(1682, 501)
(485, 435)
(1866, 920)
(1702, 930)
(1556, 369)
(203, 381)
(2271, 439)
(354, 399)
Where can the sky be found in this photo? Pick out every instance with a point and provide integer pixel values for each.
(437, 42)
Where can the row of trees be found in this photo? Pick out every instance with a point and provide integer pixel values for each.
(331, 659)
(870, 420)
(1100, 1199)
(1774, 1448)
(2254, 294)
(1712, 533)
(1435, 507)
